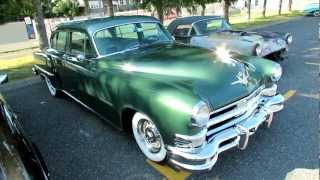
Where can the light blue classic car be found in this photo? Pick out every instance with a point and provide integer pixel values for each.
(312, 9)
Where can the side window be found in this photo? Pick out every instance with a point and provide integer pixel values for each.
(213, 25)
(193, 32)
(80, 44)
(53, 42)
(77, 43)
(182, 30)
(61, 41)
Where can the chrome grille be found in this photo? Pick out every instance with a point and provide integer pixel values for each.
(233, 113)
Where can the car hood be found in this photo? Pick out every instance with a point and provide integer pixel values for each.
(189, 69)
(246, 36)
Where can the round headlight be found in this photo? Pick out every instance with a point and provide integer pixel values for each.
(200, 114)
(289, 39)
(258, 50)
(276, 73)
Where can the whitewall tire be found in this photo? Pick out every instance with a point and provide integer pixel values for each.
(148, 137)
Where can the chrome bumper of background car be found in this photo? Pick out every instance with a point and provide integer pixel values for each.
(204, 157)
(274, 47)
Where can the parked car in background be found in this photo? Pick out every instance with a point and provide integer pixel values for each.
(312, 9)
(19, 157)
(214, 32)
(183, 104)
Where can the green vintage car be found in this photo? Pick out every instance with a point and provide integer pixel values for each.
(183, 104)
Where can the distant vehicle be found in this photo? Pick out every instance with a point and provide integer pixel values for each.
(183, 104)
(212, 32)
(19, 157)
(311, 9)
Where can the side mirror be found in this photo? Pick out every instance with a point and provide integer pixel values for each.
(173, 38)
(3, 78)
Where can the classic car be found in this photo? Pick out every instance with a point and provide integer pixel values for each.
(19, 158)
(312, 9)
(213, 32)
(183, 104)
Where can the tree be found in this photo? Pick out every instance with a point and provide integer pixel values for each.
(40, 26)
(264, 8)
(160, 6)
(87, 8)
(290, 5)
(249, 9)
(108, 7)
(67, 8)
(280, 7)
(225, 7)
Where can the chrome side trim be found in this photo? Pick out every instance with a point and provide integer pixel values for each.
(78, 101)
(44, 71)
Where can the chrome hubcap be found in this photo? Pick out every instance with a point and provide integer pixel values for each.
(150, 135)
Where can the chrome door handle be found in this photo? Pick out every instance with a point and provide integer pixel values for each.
(65, 56)
(72, 58)
(69, 58)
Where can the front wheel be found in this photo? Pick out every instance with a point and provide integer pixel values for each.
(148, 137)
(316, 13)
(52, 89)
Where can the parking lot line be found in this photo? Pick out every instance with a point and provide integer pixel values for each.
(168, 172)
(289, 94)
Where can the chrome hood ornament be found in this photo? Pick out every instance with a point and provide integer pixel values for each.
(242, 78)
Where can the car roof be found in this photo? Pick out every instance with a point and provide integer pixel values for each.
(95, 24)
(188, 20)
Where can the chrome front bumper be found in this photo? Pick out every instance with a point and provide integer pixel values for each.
(273, 47)
(204, 157)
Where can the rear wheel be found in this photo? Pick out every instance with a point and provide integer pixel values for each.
(51, 87)
(148, 137)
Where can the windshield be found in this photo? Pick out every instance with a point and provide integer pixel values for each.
(129, 36)
(211, 25)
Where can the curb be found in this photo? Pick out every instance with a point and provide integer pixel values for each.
(273, 23)
(17, 50)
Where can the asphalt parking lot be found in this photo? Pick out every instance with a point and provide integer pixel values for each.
(78, 145)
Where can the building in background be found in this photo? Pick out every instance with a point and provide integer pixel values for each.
(96, 6)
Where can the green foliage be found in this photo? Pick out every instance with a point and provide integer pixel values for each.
(11, 10)
(14, 9)
(162, 7)
(67, 8)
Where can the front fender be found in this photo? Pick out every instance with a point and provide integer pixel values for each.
(169, 106)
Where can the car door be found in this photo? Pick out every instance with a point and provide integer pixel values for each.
(56, 52)
(81, 62)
